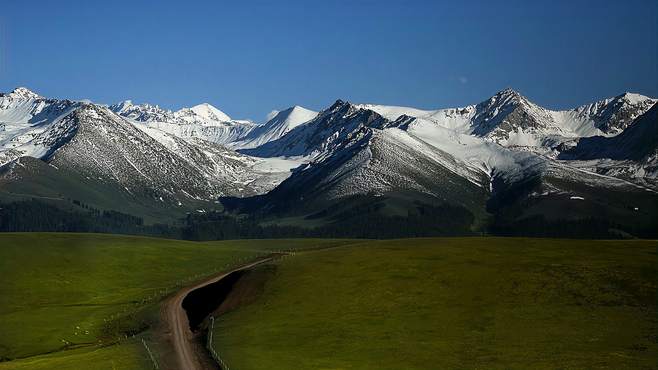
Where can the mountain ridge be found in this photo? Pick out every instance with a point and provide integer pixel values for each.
(497, 159)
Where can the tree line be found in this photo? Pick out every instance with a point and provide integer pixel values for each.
(420, 221)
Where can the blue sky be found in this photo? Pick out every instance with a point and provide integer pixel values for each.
(249, 57)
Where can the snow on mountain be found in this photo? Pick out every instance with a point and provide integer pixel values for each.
(94, 141)
(631, 155)
(487, 156)
(502, 164)
(612, 116)
(248, 175)
(393, 112)
(202, 114)
(354, 151)
(277, 126)
(143, 112)
(28, 124)
(104, 145)
(345, 150)
(202, 121)
(208, 123)
(381, 163)
(209, 113)
(218, 132)
(403, 162)
(364, 163)
(154, 164)
(342, 121)
(637, 142)
(466, 133)
(23, 93)
(24, 106)
(496, 147)
(507, 118)
(444, 130)
(510, 119)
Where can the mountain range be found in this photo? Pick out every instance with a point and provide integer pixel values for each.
(505, 165)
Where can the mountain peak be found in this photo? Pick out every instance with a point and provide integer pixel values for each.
(299, 109)
(278, 125)
(509, 97)
(506, 97)
(122, 105)
(338, 103)
(633, 98)
(295, 116)
(207, 111)
(614, 115)
(290, 118)
(508, 93)
(25, 93)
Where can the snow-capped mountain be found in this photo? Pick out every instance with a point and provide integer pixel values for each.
(28, 124)
(491, 136)
(338, 123)
(380, 163)
(202, 114)
(143, 112)
(99, 143)
(486, 158)
(614, 115)
(506, 156)
(636, 143)
(358, 151)
(279, 125)
(510, 119)
(632, 155)
(208, 123)
(202, 121)
(93, 142)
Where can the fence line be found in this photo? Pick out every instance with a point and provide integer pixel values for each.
(211, 349)
(155, 363)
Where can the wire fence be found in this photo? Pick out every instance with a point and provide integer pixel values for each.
(211, 349)
(155, 363)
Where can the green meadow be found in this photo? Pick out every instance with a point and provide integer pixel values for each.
(71, 301)
(458, 303)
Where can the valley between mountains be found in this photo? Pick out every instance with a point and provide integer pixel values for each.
(503, 166)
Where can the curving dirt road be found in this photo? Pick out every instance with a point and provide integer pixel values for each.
(187, 356)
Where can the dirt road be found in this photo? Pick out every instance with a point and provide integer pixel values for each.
(187, 358)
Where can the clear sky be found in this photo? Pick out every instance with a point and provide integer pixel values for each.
(249, 57)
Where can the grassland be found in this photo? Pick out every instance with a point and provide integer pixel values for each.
(71, 301)
(463, 303)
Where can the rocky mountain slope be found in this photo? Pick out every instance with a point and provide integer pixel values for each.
(147, 164)
(504, 161)
(462, 157)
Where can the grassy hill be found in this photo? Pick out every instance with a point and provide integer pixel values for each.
(487, 303)
(69, 301)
